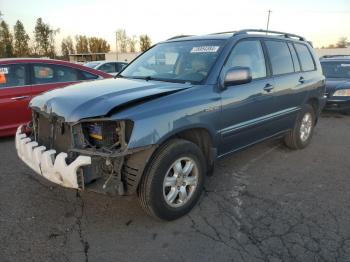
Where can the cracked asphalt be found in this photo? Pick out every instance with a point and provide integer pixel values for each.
(267, 203)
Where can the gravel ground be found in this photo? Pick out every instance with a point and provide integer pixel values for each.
(267, 203)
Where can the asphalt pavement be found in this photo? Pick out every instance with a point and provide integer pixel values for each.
(267, 203)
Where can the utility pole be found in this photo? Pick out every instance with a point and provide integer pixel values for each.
(268, 20)
(116, 44)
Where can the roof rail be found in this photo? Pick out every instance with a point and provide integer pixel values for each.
(178, 36)
(221, 33)
(287, 35)
(330, 56)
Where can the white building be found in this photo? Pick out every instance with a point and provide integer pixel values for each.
(87, 57)
(332, 51)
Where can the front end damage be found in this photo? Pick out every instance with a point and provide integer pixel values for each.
(91, 154)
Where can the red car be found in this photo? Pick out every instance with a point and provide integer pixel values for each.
(23, 78)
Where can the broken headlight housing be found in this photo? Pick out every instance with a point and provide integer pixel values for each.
(106, 135)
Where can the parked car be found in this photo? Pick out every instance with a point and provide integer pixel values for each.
(110, 67)
(336, 68)
(158, 128)
(21, 79)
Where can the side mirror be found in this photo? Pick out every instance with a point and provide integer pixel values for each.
(236, 76)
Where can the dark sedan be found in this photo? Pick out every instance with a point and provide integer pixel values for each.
(337, 72)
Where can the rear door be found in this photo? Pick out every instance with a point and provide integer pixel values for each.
(45, 77)
(289, 91)
(15, 94)
(247, 109)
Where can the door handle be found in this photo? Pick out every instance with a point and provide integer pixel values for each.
(268, 87)
(301, 80)
(19, 97)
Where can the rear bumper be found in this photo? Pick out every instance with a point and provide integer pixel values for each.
(46, 164)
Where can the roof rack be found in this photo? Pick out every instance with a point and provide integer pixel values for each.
(287, 35)
(178, 36)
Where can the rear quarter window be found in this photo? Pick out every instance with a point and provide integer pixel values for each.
(306, 60)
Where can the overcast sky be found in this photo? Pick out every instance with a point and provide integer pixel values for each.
(322, 21)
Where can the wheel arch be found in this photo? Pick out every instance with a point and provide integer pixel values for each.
(315, 103)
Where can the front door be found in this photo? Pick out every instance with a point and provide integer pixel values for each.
(247, 109)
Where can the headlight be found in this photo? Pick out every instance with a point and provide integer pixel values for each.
(342, 92)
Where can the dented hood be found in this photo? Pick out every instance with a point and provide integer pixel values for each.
(98, 98)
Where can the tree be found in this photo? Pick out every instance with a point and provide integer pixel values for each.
(342, 42)
(145, 42)
(98, 45)
(6, 40)
(122, 41)
(132, 42)
(67, 47)
(81, 44)
(44, 36)
(21, 39)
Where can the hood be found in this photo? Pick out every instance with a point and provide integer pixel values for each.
(333, 84)
(98, 98)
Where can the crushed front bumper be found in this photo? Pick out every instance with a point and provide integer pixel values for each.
(44, 162)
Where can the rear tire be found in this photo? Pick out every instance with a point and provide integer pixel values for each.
(300, 136)
(173, 181)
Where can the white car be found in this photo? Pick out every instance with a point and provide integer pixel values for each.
(110, 67)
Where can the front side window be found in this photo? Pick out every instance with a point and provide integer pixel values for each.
(108, 68)
(307, 63)
(12, 75)
(336, 69)
(280, 57)
(182, 61)
(47, 73)
(248, 54)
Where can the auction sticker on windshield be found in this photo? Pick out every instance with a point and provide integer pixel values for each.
(4, 70)
(205, 49)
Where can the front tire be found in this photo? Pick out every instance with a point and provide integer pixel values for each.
(173, 181)
(300, 136)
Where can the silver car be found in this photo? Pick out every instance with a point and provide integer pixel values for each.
(110, 67)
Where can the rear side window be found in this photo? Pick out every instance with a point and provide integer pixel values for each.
(12, 75)
(306, 60)
(120, 66)
(280, 57)
(248, 54)
(47, 73)
(295, 57)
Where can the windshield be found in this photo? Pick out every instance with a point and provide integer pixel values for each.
(183, 61)
(91, 64)
(336, 69)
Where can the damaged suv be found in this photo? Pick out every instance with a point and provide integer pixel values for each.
(158, 128)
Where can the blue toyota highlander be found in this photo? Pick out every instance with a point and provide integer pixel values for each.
(158, 128)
